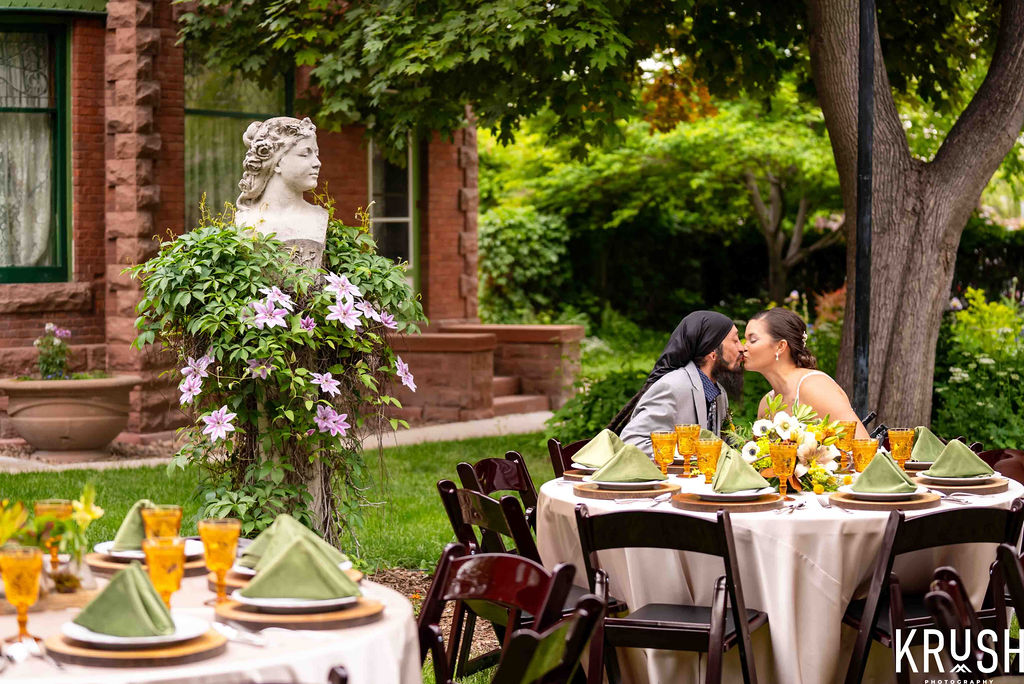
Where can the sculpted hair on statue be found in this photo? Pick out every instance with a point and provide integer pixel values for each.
(267, 141)
(783, 324)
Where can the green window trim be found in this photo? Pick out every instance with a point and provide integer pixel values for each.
(413, 166)
(59, 30)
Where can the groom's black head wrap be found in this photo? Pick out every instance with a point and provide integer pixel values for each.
(696, 336)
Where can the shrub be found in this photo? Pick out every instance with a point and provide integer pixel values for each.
(595, 404)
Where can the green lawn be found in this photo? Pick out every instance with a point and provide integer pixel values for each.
(408, 529)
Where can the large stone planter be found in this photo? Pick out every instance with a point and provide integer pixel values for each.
(69, 420)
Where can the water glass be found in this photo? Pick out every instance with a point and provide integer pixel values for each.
(686, 444)
(220, 541)
(664, 446)
(708, 451)
(21, 567)
(165, 562)
(162, 520)
(901, 441)
(863, 451)
(59, 509)
(783, 455)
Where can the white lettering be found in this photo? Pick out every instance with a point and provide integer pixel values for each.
(1007, 650)
(957, 657)
(903, 651)
(931, 651)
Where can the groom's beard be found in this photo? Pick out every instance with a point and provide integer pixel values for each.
(731, 380)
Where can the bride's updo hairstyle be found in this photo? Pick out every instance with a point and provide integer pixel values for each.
(267, 141)
(783, 324)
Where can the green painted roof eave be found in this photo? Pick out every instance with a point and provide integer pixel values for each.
(74, 6)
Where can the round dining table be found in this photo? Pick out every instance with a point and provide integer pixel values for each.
(801, 567)
(385, 651)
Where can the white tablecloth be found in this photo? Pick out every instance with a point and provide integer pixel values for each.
(381, 652)
(801, 568)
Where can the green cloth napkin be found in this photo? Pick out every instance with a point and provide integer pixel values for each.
(629, 464)
(128, 607)
(707, 434)
(301, 571)
(599, 450)
(927, 446)
(734, 474)
(280, 534)
(132, 531)
(957, 460)
(883, 475)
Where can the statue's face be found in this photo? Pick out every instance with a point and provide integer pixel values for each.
(300, 166)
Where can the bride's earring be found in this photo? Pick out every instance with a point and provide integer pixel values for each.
(776, 354)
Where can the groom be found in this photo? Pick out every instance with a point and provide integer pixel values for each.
(686, 385)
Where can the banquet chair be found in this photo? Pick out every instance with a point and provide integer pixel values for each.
(561, 456)
(950, 607)
(713, 629)
(888, 608)
(1007, 462)
(491, 475)
(500, 585)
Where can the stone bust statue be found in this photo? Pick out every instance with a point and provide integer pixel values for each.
(282, 163)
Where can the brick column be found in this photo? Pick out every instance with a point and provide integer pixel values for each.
(469, 203)
(144, 160)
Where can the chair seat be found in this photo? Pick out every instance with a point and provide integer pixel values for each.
(615, 606)
(913, 608)
(670, 622)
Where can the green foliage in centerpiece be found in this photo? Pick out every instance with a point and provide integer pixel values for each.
(284, 367)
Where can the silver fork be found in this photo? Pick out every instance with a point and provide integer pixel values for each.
(655, 501)
(39, 651)
(825, 503)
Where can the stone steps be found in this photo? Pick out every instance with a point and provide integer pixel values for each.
(520, 403)
(505, 385)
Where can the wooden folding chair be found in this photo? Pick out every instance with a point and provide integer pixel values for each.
(509, 474)
(561, 456)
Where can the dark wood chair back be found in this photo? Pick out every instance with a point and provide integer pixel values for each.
(561, 456)
(484, 524)
(1012, 575)
(950, 607)
(508, 474)
(553, 655)
(1006, 462)
(513, 583)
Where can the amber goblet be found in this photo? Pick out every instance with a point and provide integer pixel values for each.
(708, 451)
(21, 567)
(220, 542)
(783, 455)
(686, 444)
(664, 446)
(61, 510)
(863, 451)
(165, 562)
(844, 442)
(161, 520)
(901, 441)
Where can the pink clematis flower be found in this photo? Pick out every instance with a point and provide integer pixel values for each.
(307, 323)
(344, 314)
(402, 370)
(218, 424)
(275, 296)
(260, 368)
(338, 425)
(190, 388)
(267, 315)
(324, 414)
(388, 320)
(197, 366)
(366, 309)
(342, 288)
(327, 383)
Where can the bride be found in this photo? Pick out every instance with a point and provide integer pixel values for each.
(777, 349)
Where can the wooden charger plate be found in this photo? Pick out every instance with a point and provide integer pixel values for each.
(236, 581)
(574, 475)
(364, 611)
(590, 490)
(925, 500)
(692, 502)
(65, 650)
(995, 487)
(106, 565)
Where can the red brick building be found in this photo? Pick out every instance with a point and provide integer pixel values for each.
(109, 136)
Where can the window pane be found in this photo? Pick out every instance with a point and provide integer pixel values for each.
(226, 92)
(392, 240)
(26, 74)
(390, 188)
(213, 163)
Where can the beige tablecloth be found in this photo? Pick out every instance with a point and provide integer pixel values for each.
(801, 568)
(382, 652)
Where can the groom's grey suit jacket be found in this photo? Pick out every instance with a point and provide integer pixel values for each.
(677, 398)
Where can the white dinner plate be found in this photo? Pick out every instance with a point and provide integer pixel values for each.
(954, 481)
(586, 469)
(193, 549)
(251, 572)
(882, 496)
(646, 484)
(185, 627)
(742, 495)
(293, 605)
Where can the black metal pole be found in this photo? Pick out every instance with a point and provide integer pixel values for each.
(865, 136)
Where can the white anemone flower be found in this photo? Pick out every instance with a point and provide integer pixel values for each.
(750, 452)
(761, 427)
(785, 425)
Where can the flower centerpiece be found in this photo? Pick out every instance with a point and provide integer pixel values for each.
(817, 455)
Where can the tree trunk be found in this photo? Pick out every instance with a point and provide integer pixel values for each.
(919, 209)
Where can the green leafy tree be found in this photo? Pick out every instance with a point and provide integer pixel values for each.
(405, 65)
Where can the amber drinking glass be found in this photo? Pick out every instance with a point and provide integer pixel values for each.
(901, 441)
(61, 510)
(686, 444)
(162, 520)
(220, 541)
(664, 446)
(21, 567)
(165, 561)
(783, 455)
(708, 451)
(863, 451)
(846, 431)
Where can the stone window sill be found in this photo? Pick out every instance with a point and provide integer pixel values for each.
(20, 298)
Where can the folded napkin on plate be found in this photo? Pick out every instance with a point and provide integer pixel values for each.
(127, 607)
(280, 534)
(957, 460)
(599, 450)
(132, 531)
(629, 464)
(927, 446)
(734, 474)
(301, 571)
(883, 476)
(707, 434)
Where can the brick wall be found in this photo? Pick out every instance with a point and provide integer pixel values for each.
(343, 171)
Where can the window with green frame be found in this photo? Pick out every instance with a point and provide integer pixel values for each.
(34, 203)
(393, 208)
(218, 108)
